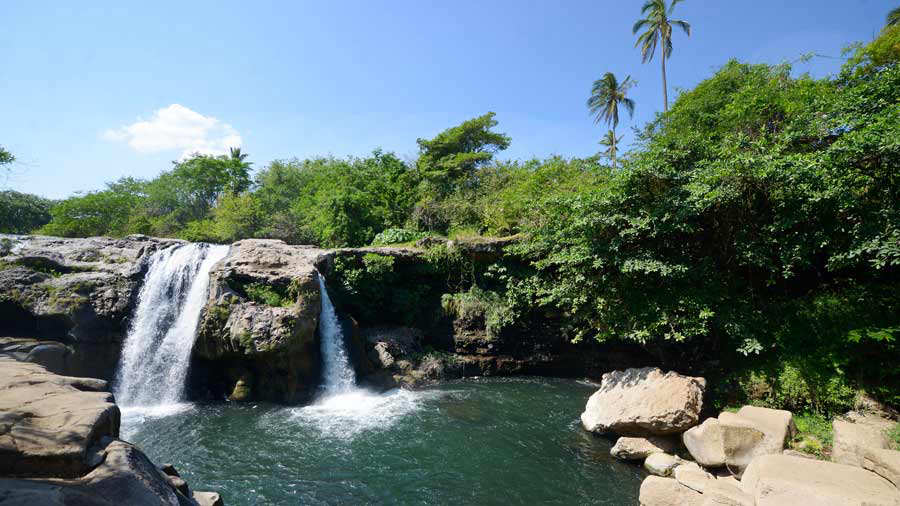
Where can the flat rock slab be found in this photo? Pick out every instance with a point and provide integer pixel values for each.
(48, 423)
(883, 462)
(644, 402)
(781, 480)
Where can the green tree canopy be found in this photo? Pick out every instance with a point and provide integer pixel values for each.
(454, 154)
(22, 213)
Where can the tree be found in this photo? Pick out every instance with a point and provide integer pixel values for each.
(893, 17)
(658, 31)
(606, 95)
(611, 142)
(454, 154)
(21, 213)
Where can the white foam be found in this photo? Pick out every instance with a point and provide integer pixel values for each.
(344, 415)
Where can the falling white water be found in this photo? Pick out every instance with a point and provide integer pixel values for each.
(337, 373)
(157, 349)
(345, 410)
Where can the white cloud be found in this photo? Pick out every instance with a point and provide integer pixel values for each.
(177, 128)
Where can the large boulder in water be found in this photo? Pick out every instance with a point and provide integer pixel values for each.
(644, 402)
(260, 321)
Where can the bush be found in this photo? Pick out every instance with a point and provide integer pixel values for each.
(396, 236)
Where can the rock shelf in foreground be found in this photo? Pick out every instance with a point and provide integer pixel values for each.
(59, 446)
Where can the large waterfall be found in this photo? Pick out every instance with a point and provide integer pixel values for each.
(157, 349)
(337, 373)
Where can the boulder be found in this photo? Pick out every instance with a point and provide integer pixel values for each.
(704, 442)
(883, 462)
(644, 402)
(49, 423)
(275, 343)
(661, 464)
(751, 432)
(638, 448)
(657, 491)
(854, 435)
(776, 480)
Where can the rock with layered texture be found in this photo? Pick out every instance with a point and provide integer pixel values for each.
(275, 345)
(642, 402)
(58, 445)
(49, 424)
(855, 434)
(776, 480)
(75, 291)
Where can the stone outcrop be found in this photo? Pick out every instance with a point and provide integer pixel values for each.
(639, 448)
(267, 344)
(641, 402)
(661, 464)
(59, 446)
(783, 480)
(705, 443)
(78, 293)
(658, 491)
(855, 434)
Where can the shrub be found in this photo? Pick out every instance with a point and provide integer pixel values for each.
(396, 236)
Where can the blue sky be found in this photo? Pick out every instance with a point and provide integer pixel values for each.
(92, 91)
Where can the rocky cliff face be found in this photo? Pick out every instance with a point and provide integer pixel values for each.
(66, 302)
(258, 333)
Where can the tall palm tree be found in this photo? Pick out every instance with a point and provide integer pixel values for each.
(607, 94)
(657, 24)
(611, 142)
(893, 17)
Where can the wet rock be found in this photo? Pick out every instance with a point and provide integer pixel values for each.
(642, 402)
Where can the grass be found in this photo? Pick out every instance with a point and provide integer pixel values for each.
(894, 436)
(265, 294)
(815, 435)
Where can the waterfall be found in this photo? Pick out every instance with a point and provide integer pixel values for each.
(157, 349)
(338, 375)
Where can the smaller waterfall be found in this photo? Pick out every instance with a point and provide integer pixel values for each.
(157, 349)
(338, 376)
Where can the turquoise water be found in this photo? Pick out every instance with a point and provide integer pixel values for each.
(482, 441)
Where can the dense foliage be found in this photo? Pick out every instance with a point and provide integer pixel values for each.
(21, 213)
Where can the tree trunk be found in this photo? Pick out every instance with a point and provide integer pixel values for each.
(613, 148)
(665, 89)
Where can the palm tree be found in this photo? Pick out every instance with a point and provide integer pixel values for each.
(893, 17)
(611, 142)
(606, 95)
(658, 27)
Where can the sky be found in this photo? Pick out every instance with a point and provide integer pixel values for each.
(94, 91)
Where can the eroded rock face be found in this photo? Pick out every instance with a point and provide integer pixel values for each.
(641, 402)
(78, 292)
(266, 342)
